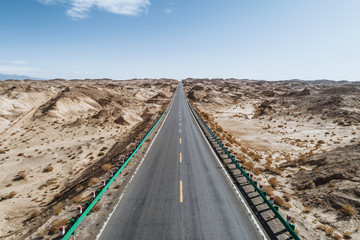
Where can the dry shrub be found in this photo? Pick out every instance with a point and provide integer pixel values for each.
(232, 140)
(20, 154)
(21, 175)
(34, 214)
(244, 149)
(287, 206)
(323, 228)
(148, 140)
(307, 210)
(241, 158)
(336, 236)
(273, 182)
(57, 195)
(57, 208)
(101, 154)
(12, 194)
(329, 231)
(77, 199)
(106, 167)
(347, 210)
(2, 151)
(347, 235)
(96, 208)
(287, 197)
(56, 224)
(257, 171)
(103, 149)
(269, 190)
(93, 181)
(269, 160)
(302, 158)
(277, 171)
(256, 157)
(219, 129)
(249, 166)
(8, 185)
(117, 186)
(48, 169)
(279, 201)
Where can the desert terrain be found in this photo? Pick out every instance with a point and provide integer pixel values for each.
(302, 141)
(60, 137)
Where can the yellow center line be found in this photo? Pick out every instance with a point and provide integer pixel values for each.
(180, 158)
(180, 140)
(181, 193)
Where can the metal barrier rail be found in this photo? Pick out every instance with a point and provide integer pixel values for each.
(289, 228)
(109, 182)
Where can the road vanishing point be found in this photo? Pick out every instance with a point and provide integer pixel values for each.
(180, 190)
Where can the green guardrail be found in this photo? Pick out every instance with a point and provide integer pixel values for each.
(109, 182)
(289, 228)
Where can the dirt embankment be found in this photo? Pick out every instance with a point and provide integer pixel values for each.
(57, 135)
(301, 139)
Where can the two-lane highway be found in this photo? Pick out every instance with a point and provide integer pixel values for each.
(180, 190)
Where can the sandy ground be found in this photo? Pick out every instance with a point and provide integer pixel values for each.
(291, 131)
(52, 131)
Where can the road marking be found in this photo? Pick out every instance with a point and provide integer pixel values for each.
(180, 140)
(229, 179)
(179, 130)
(180, 158)
(134, 174)
(181, 193)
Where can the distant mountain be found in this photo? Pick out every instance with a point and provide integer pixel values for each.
(17, 77)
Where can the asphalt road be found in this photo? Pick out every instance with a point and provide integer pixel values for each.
(180, 197)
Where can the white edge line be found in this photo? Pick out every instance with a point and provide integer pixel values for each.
(128, 184)
(229, 178)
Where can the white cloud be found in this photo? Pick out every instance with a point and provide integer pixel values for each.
(168, 10)
(19, 70)
(18, 62)
(80, 8)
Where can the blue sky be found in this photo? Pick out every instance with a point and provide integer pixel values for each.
(123, 39)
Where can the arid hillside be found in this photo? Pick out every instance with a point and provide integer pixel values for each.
(300, 138)
(56, 135)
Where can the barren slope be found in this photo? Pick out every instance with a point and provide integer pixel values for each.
(56, 135)
(301, 139)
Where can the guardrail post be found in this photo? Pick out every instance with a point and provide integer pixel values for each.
(79, 210)
(93, 195)
(272, 200)
(289, 228)
(103, 183)
(288, 219)
(62, 231)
